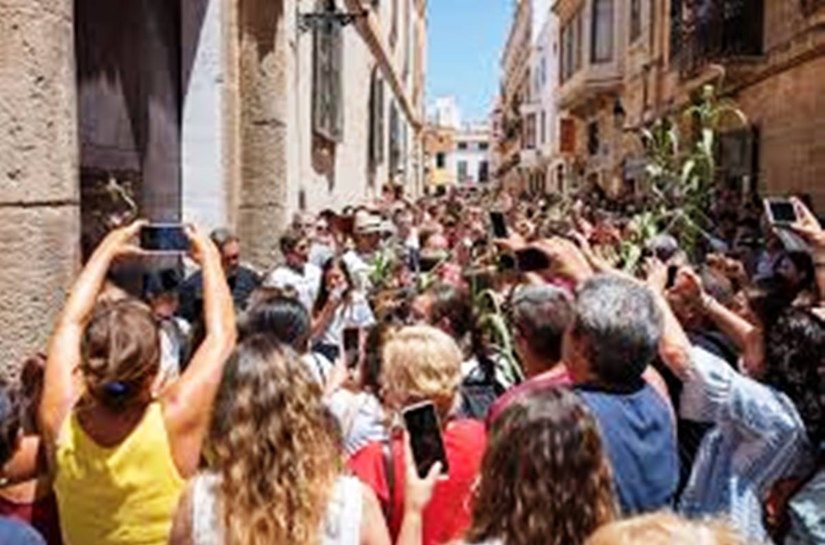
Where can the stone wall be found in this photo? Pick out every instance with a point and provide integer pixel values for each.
(789, 109)
(39, 208)
(263, 81)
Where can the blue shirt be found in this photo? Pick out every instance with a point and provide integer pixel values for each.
(13, 532)
(758, 438)
(639, 437)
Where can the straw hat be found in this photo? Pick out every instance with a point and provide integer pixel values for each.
(366, 223)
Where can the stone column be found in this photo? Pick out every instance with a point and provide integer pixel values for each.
(39, 195)
(263, 112)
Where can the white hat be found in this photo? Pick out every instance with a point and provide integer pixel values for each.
(366, 223)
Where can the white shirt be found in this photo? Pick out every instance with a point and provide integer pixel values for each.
(361, 418)
(319, 254)
(359, 269)
(306, 285)
(174, 334)
(341, 524)
(353, 313)
(318, 366)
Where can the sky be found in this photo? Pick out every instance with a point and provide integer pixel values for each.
(466, 38)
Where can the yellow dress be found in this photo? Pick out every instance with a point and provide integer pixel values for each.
(123, 495)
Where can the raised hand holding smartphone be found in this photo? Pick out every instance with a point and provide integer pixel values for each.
(421, 421)
(164, 238)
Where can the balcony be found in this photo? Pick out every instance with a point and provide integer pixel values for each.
(716, 32)
(592, 52)
(590, 83)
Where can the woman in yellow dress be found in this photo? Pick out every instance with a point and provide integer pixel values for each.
(120, 453)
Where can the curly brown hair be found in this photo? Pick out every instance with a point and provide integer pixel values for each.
(544, 477)
(274, 449)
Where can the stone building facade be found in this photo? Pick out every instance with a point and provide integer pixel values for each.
(624, 63)
(220, 112)
(523, 119)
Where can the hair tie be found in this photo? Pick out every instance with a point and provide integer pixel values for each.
(116, 389)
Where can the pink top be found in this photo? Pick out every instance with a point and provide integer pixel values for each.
(557, 376)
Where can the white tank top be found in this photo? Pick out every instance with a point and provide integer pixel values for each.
(340, 526)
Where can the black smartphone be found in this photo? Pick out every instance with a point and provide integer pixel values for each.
(506, 262)
(499, 225)
(531, 259)
(164, 237)
(672, 274)
(421, 422)
(780, 211)
(352, 343)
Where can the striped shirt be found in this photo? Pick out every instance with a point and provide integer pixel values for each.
(758, 439)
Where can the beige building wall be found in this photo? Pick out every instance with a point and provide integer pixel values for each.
(39, 208)
(256, 86)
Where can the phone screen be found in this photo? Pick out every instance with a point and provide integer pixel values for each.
(164, 238)
(499, 225)
(427, 445)
(531, 259)
(782, 211)
(672, 274)
(352, 340)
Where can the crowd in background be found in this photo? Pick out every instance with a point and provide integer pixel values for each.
(582, 401)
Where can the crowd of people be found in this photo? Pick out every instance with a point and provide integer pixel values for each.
(581, 401)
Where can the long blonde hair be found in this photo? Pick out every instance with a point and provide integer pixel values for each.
(665, 529)
(274, 448)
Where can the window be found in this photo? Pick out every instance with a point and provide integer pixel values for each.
(462, 171)
(565, 60)
(675, 28)
(593, 138)
(327, 113)
(601, 32)
(483, 171)
(578, 40)
(635, 20)
(543, 130)
(571, 47)
(462, 145)
(530, 132)
(394, 28)
(395, 139)
(483, 146)
(376, 151)
(440, 160)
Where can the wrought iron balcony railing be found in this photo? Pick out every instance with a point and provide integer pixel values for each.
(706, 31)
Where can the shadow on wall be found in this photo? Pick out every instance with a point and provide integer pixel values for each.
(134, 59)
(259, 22)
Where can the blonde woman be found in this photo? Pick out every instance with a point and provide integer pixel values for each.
(276, 472)
(423, 363)
(665, 529)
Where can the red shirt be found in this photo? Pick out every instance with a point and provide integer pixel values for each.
(41, 514)
(557, 376)
(447, 516)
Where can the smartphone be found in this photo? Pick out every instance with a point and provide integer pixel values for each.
(352, 344)
(421, 422)
(672, 274)
(506, 262)
(164, 237)
(499, 225)
(780, 211)
(531, 259)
